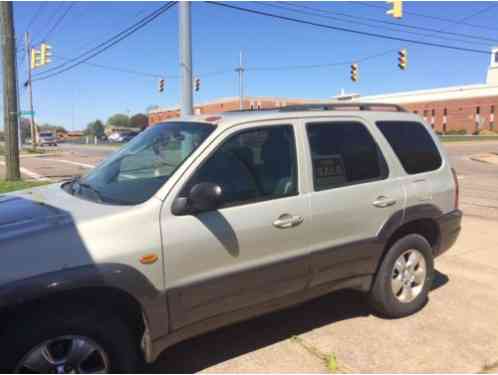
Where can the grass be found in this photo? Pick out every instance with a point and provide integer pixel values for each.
(330, 360)
(468, 138)
(8, 186)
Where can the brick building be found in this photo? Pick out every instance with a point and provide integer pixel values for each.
(226, 104)
(469, 107)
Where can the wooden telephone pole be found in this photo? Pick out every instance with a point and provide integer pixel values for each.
(8, 44)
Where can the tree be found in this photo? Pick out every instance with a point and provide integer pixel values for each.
(139, 120)
(119, 120)
(95, 128)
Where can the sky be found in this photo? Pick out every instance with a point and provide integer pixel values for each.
(85, 93)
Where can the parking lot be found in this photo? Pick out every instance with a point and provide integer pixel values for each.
(456, 332)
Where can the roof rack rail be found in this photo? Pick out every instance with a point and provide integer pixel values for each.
(341, 106)
(353, 106)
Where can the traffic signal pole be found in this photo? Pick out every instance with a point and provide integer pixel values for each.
(185, 35)
(29, 83)
(8, 47)
(240, 70)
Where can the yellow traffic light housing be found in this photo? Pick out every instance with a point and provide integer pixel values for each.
(354, 72)
(197, 84)
(35, 58)
(46, 54)
(161, 85)
(402, 58)
(397, 8)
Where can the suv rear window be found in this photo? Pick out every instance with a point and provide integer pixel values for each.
(344, 153)
(412, 144)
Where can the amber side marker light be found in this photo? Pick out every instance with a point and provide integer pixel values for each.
(149, 259)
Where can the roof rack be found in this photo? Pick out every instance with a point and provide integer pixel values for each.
(353, 106)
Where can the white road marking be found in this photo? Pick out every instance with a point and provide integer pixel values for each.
(84, 165)
(31, 174)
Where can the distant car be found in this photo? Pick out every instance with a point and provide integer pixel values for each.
(122, 137)
(47, 139)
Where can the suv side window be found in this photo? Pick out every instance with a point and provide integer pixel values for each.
(412, 144)
(252, 165)
(344, 153)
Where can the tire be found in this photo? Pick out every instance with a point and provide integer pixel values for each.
(383, 297)
(102, 329)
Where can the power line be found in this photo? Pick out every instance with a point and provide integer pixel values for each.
(397, 24)
(58, 22)
(372, 4)
(35, 16)
(337, 28)
(328, 65)
(122, 70)
(104, 45)
(313, 14)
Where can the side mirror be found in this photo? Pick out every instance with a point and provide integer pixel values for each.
(204, 196)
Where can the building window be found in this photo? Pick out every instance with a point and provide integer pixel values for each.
(416, 112)
(252, 107)
(433, 112)
(478, 110)
(492, 110)
(445, 112)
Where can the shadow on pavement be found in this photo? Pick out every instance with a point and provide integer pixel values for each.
(199, 353)
(440, 279)
(204, 351)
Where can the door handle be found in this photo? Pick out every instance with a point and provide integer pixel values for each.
(287, 221)
(383, 202)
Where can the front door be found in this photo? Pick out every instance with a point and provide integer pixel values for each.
(254, 248)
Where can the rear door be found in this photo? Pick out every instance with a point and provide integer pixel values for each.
(255, 247)
(354, 195)
(428, 180)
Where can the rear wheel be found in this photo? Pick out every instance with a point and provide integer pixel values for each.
(402, 284)
(81, 342)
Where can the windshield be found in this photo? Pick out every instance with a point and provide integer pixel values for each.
(137, 171)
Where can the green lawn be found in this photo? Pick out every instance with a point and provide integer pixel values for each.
(8, 186)
(468, 138)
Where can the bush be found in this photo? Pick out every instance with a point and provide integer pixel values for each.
(456, 132)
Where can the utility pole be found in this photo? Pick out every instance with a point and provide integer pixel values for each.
(8, 45)
(185, 35)
(34, 138)
(240, 70)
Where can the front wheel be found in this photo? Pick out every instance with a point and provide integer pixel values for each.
(73, 343)
(404, 278)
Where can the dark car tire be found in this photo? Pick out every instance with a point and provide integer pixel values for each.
(102, 327)
(382, 297)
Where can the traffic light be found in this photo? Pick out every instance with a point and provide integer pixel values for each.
(46, 54)
(161, 85)
(354, 72)
(35, 58)
(402, 58)
(397, 8)
(197, 84)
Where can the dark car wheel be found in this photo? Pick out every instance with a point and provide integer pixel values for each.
(70, 343)
(404, 278)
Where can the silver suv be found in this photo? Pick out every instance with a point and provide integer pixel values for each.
(204, 221)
